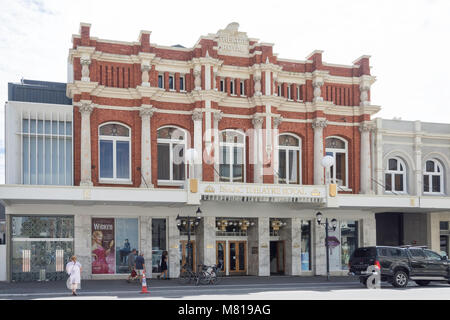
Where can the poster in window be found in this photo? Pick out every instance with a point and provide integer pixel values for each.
(334, 246)
(126, 240)
(103, 255)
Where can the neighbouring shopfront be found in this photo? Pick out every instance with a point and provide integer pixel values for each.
(41, 246)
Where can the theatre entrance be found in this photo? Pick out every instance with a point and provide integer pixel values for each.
(277, 257)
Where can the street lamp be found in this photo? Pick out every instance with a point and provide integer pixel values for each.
(327, 228)
(327, 162)
(188, 219)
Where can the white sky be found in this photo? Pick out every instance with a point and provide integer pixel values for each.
(408, 41)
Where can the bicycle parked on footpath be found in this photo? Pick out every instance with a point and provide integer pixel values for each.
(210, 274)
(188, 275)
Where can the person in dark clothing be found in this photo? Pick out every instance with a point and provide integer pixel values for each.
(140, 265)
(131, 264)
(164, 266)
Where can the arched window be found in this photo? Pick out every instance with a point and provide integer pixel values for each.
(395, 175)
(337, 148)
(232, 156)
(171, 150)
(433, 177)
(115, 152)
(289, 159)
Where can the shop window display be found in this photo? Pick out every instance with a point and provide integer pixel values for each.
(41, 246)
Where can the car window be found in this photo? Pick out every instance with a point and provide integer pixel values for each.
(417, 253)
(432, 255)
(393, 252)
(364, 252)
(383, 252)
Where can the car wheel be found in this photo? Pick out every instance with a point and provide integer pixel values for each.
(422, 282)
(400, 279)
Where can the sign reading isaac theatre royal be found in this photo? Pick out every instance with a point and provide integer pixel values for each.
(231, 41)
(301, 193)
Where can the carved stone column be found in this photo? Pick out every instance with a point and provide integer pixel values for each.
(85, 161)
(317, 84)
(365, 167)
(198, 78)
(197, 117)
(257, 79)
(85, 61)
(217, 117)
(276, 156)
(318, 125)
(257, 147)
(145, 68)
(146, 112)
(364, 87)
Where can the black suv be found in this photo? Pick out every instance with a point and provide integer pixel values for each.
(399, 264)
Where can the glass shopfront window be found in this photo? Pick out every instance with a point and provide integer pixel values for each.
(41, 247)
(112, 241)
(306, 245)
(158, 243)
(349, 241)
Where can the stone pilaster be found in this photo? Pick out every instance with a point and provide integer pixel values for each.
(276, 156)
(85, 61)
(208, 244)
(83, 236)
(145, 68)
(320, 258)
(145, 242)
(291, 234)
(146, 112)
(369, 231)
(217, 117)
(318, 125)
(86, 110)
(257, 147)
(317, 83)
(417, 159)
(263, 246)
(197, 117)
(174, 252)
(365, 166)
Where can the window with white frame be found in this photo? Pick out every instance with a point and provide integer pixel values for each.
(160, 81)
(222, 85)
(171, 82)
(289, 96)
(242, 88)
(46, 143)
(232, 156)
(433, 177)
(289, 159)
(232, 87)
(182, 88)
(395, 175)
(279, 90)
(114, 152)
(171, 151)
(298, 93)
(337, 148)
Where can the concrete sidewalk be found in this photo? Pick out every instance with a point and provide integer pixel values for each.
(122, 285)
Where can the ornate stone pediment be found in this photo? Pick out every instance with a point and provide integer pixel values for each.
(232, 42)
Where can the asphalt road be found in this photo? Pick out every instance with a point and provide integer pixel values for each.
(236, 288)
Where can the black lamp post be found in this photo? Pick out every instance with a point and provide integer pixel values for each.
(189, 246)
(333, 228)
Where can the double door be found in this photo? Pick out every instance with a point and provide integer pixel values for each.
(184, 252)
(232, 256)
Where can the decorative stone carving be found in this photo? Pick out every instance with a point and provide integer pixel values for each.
(145, 68)
(277, 121)
(86, 108)
(197, 78)
(146, 111)
(319, 123)
(85, 62)
(257, 121)
(218, 115)
(317, 90)
(197, 115)
(364, 96)
(258, 85)
(365, 126)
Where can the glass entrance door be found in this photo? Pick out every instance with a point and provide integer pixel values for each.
(184, 254)
(238, 256)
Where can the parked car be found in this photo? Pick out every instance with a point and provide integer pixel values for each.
(398, 265)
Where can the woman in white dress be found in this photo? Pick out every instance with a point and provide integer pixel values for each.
(73, 268)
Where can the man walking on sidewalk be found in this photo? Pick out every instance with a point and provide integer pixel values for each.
(140, 266)
(131, 263)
